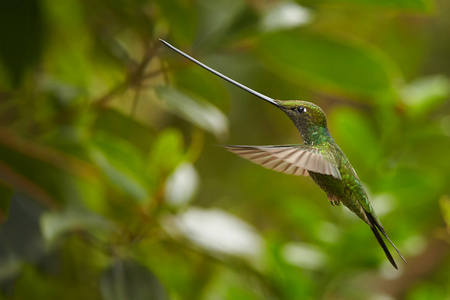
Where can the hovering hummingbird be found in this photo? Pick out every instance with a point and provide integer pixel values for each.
(319, 157)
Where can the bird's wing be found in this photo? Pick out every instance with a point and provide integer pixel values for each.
(295, 160)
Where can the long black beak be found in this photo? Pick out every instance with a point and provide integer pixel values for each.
(257, 94)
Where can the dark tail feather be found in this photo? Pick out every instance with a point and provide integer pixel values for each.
(383, 245)
(375, 226)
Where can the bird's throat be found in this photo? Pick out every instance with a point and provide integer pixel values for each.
(315, 135)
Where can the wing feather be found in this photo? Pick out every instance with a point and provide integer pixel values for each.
(296, 160)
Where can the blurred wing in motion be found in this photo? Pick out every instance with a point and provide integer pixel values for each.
(295, 160)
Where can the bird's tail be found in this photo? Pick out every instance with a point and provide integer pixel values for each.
(376, 229)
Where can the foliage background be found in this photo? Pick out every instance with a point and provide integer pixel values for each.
(112, 186)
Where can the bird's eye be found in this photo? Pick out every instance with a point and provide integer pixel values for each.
(301, 109)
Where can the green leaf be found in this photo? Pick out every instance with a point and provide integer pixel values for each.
(127, 280)
(67, 53)
(416, 186)
(423, 6)
(55, 224)
(167, 151)
(216, 17)
(20, 236)
(44, 173)
(444, 203)
(122, 164)
(328, 63)
(6, 193)
(425, 94)
(196, 80)
(181, 19)
(356, 136)
(122, 126)
(195, 110)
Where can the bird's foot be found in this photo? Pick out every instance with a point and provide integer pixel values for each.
(334, 201)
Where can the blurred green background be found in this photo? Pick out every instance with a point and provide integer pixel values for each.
(112, 183)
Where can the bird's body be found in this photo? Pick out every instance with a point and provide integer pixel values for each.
(318, 157)
(344, 185)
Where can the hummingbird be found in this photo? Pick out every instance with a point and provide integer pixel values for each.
(319, 157)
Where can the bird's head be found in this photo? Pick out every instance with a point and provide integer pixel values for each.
(303, 113)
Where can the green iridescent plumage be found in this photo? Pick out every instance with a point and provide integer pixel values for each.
(312, 125)
(318, 157)
(310, 120)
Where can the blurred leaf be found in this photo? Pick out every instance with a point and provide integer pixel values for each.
(43, 172)
(225, 232)
(427, 289)
(356, 136)
(425, 146)
(122, 126)
(122, 165)
(304, 255)
(401, 5)
(422, 185)
(285, 15)
(195, 110)
(55, 224)
(6, 193)
(20, 36)
(426, 93)
(216, 17)
(127, 280)
(67, 48)
(181, 19)
(444, 203)
(329, 63)
(196, 80)
(182, 185)
(167, 151)
(229, 285)
(20, 236)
